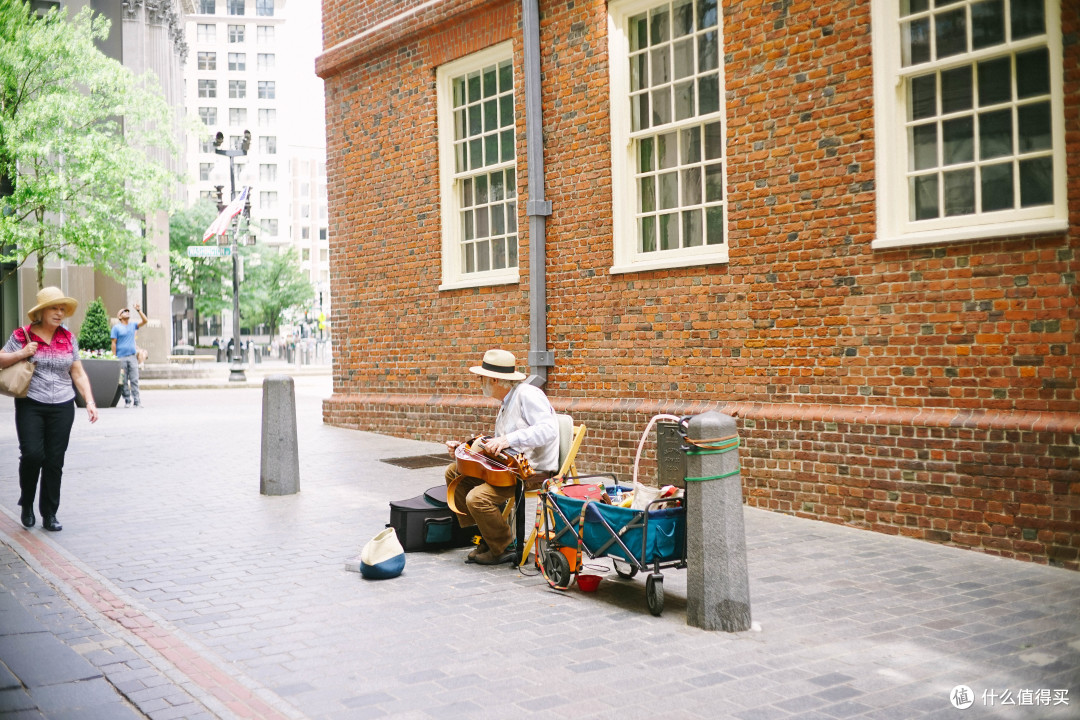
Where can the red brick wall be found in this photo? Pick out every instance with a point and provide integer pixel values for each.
(928, 391)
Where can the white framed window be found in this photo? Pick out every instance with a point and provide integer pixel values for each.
(204, 171)
(268, 200)
(322, 233)
(238, 89)
(268, 145)
(267, 117)
(264, 8)
(305, 233)
(207, 7)
(238, 61)
(267, 89)
(208, 88)
(206, 32)
(206, 194)
(236, 33)
(271, 226)
(969, 114)
(265, 61)
(478, 169)
(264, 34)
(235, 141)
(208, 115)
(668, 151)
(237, 116)
(207, 60)
(206, 145)
(268, 172)
(235, 7)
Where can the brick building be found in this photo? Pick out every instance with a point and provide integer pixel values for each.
(854, 225)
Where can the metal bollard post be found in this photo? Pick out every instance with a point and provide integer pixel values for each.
(717, 582)
(279, 472)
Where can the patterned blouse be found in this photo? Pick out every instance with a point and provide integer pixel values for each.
(51, 382)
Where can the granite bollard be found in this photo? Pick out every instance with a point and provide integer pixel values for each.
(717, 582)
(279, 472)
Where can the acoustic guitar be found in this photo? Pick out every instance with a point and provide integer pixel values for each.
(500, 469)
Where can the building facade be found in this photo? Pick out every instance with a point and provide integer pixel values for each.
(853, 225)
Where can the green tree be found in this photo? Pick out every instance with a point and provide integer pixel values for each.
(273, 285)
(94, 333)
(78, 184)
(209, 280)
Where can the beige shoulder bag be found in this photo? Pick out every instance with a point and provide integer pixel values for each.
(15, 379)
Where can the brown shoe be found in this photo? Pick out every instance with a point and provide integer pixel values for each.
(481, 547)
(490, 558)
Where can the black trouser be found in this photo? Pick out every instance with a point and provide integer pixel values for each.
(44, 431)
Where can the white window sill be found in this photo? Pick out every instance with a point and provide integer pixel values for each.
(668, 263)
(972, 232)
(484, 281)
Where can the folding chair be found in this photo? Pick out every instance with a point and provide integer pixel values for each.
(570, 438)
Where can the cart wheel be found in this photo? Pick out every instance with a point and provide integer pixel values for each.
(654, 593)
(557, 569)
(624, 570)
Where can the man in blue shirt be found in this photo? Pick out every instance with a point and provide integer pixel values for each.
(123, 346)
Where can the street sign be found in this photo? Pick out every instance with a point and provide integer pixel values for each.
(207, 251)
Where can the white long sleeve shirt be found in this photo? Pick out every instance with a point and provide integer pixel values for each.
(527, 421)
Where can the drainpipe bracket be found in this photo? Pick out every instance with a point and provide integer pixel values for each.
(541, 358)
(538, 207)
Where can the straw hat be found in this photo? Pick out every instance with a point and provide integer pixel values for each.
(47, 297)
(498, 364)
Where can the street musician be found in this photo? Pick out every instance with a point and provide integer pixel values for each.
(525, 426)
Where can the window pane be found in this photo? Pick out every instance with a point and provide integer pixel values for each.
(669, 190)
(924, 146)
(691, 186)
(474, 86)
(1034, 126)
(997, 187)
(482, 229)
(476, 154)
(476, 120)
(956, 90)
(491, 82)
(714, 222)
(706, 13)
(684, 58)
(511, 183)
(684, 100)
(714, 182)
(645, 155)
(470, 261)
(923, 99)
(995, 81)
(690, 145)
(669, 231)
(459, 91)
(498, 223)
(511, 252)
(1033, 73)
(641, 111)
(950, 29)
(987, 24)
(491, 115)
(498, 254)
(661, 102)
(923, 192)
(466, 193)
(709, 94)
(639, 32)
(708, 51)
(916, 42)
(1026, 18)
(660, 61)
(683, 17)
(667, 150)
(459, 125)
(506, 77)
(496, 185)
(483, 260)
(506, 111)
(959, 137)
(648, 194)
(470, 231)
(507, 142)
(1036, 182)
(659, 26)
(648, 233)
(511, 226)
(639, 72)
(481, 190)
(960, 192)
(714, 141)
(691, 228)
(995, 134)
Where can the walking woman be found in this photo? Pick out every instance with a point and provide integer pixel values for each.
(43, 418)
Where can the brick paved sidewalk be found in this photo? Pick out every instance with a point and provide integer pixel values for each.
(239, 606)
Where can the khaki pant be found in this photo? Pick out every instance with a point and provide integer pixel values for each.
(483, 505)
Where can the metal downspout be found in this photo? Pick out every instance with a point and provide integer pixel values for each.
(537, 209)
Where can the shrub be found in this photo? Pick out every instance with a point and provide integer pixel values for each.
(94, 333)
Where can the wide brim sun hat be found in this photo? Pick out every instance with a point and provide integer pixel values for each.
(498, 364)
(47, 297)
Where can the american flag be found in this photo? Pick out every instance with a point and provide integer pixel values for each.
(221, 223)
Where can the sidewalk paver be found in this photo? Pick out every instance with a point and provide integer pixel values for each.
(238, 605)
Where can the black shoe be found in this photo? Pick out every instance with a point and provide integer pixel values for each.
(28, 518)
(49, 523)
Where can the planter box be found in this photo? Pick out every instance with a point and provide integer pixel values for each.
(104, 382)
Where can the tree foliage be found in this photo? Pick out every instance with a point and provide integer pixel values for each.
(83, 142)
(273, 286)
(208, 280)
(94, 333)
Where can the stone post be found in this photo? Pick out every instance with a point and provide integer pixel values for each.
(279, 472)
(717, 583)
